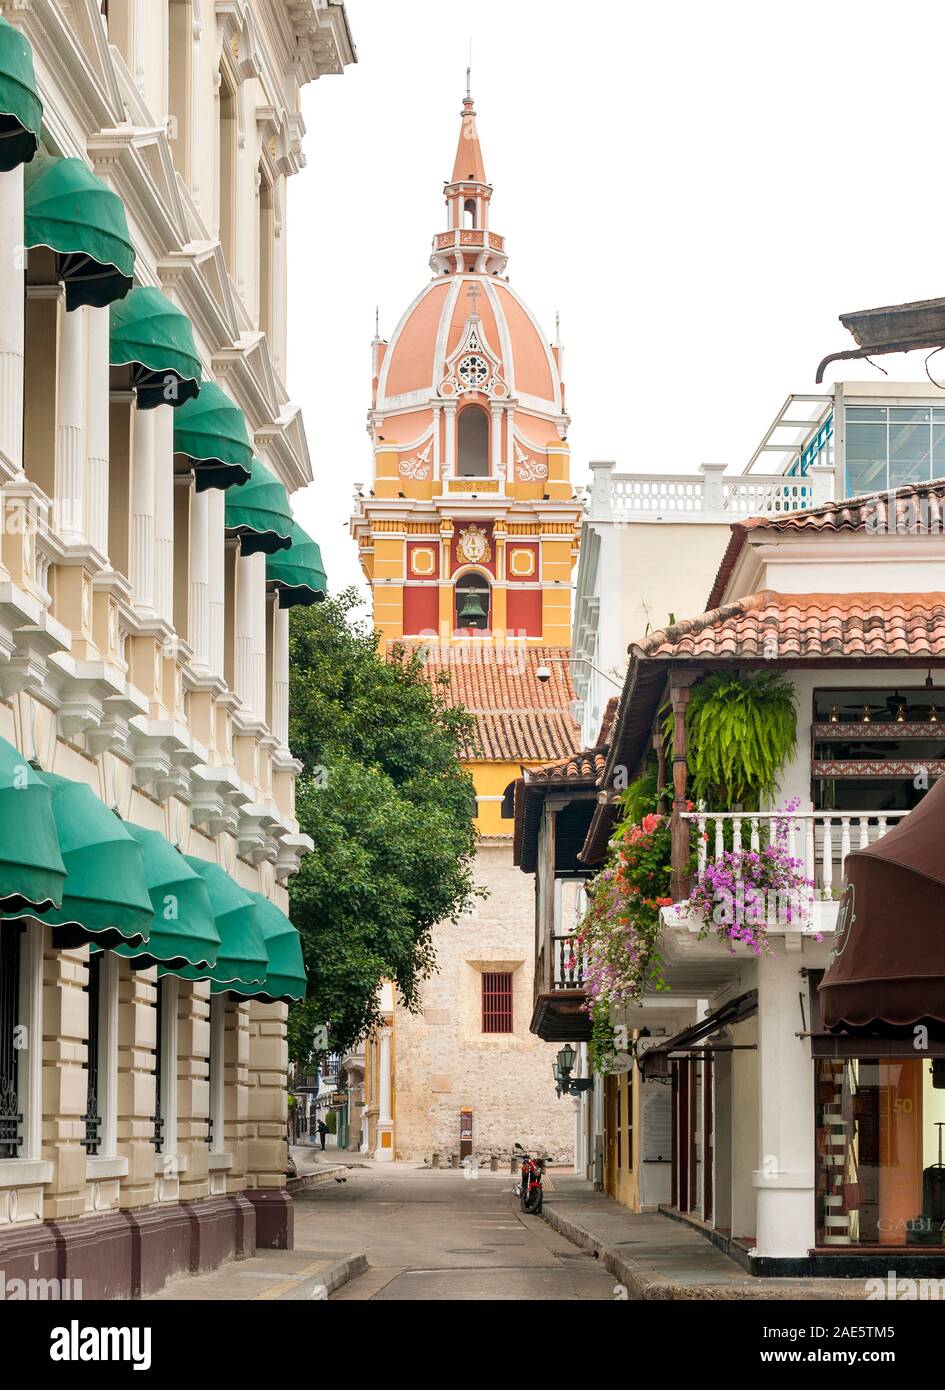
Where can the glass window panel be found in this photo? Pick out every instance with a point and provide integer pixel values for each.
(938, 448)
(909, 449)
(865, 458)
(861, 414)
(880, 1125)
(908, 415)
(865, 477)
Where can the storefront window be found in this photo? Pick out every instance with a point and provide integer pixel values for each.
(880, 1171)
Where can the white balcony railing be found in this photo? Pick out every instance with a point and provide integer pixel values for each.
(821, 839)
(710, 495)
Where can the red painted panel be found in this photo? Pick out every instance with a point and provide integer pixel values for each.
(421, 609)
(523, 611)
(512, 548)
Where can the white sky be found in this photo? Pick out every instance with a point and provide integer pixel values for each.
(700, 189)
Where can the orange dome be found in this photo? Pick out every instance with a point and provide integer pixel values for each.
(417, 362)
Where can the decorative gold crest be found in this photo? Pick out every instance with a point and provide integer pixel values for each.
(473, 546)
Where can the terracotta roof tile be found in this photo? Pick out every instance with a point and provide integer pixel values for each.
(903, 511)
(585, 766)
(780, 627)
(518, 718)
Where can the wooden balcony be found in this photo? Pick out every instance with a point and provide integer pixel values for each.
(559, 1014)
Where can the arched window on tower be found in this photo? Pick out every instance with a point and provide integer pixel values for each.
(469, 212)
(473, 443)
(473, 603)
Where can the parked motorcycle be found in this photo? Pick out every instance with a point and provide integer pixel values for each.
(529, 1190)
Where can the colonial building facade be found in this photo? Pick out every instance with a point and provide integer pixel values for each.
(149, 560)
(468, 537)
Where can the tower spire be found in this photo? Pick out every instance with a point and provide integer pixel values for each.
(468, 244)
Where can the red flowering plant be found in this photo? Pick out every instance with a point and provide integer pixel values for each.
(617, 938)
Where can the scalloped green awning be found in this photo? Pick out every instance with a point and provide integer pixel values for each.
(183, 930)
(242, 960)
(70, 210)
(32, 873)
(153, 337)
(106, 897)
(212, 432)
(285, 972)
(259, 513)
(298, 573)
(21, 111)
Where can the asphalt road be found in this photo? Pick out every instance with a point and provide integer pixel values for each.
(432, 1234)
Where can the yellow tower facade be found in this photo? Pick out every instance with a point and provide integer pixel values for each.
(468, 532)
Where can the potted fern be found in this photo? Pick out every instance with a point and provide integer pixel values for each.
(740, 730)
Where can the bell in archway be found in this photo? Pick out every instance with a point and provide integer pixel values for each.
(472, 612)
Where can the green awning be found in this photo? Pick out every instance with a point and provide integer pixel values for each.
(212, 432)
(297, 573)
(241, 960)
(106, 898)
(21, 111)
(31, 869)
(259, 513)
(154, 338)
(72, 211)
(285, 972)
(183, 931)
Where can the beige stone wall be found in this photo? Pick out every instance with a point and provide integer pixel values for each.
(444, 1062)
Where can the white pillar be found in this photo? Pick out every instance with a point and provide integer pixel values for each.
(280, 675)
(96, 431)
(496, 470)
(245, 630)
(142, 512)
(385, 1118)
(197, 616)
(70, 433)
(216, 579)
(785, 1179)
(11, 319)
(164, 511)
(257, 569)
(449, 443)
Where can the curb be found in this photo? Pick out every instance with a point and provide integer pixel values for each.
(642, 1286)
(315, 1178)
(309, 1287)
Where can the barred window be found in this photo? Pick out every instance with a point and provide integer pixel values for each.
(497, 1002)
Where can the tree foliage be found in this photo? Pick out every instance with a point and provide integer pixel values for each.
(390, 809)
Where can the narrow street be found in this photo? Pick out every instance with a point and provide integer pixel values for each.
(435, 1234)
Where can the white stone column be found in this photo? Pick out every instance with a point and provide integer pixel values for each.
(280, 675)
(245, 642)
(785, 1178)
(449, 443)
(70, 432)
(11, 319)
(385, 1118)
(437, 416)
(497, 469)
(164, 511)
(198, 616)
(216, 579)
(96, 430)
(257, 569)
(142, 512)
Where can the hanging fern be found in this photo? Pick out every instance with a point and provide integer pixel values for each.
(740, 730)
(640, 798)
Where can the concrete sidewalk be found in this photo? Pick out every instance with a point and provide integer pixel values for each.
(658, 1258)
(273, 1275)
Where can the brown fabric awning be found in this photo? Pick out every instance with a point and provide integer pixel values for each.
(888, 963)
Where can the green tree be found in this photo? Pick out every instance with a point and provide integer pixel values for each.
(390, 809)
